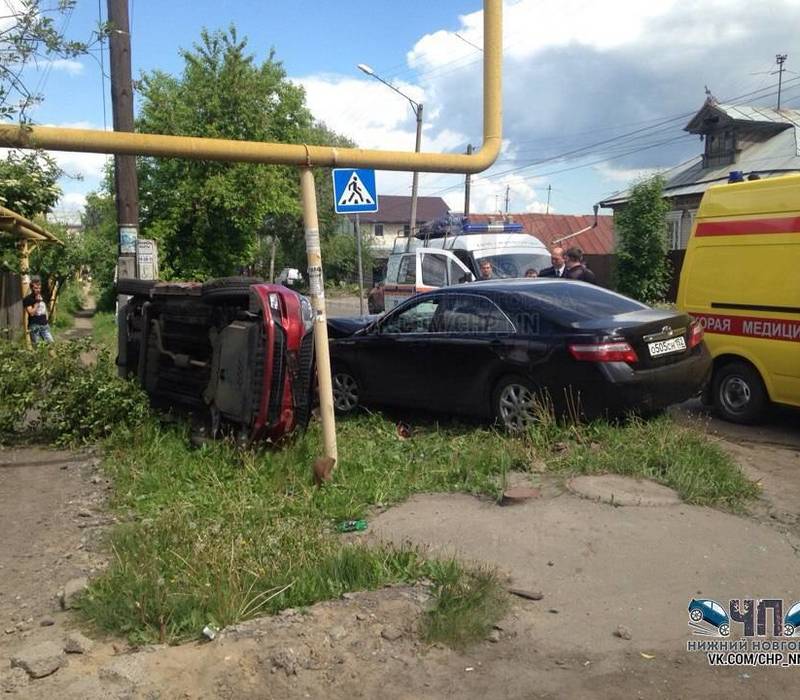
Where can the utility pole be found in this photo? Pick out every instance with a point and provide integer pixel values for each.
(467, 185)
(549, 188)
(780, 59)
(126, 185)
(415, 179)
(508, 188)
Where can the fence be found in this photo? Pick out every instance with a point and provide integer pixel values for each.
(10, 306)
(604, 268)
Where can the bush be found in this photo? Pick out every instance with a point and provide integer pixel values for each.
(642, 266)
(52, 394)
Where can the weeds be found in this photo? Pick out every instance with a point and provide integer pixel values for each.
(467, 605)
(679, 457)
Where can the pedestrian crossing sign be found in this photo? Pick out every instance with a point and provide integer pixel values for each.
(354, 191)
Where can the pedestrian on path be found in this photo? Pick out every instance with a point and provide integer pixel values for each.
(36, 308)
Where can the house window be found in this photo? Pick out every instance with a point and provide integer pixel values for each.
(407, 230)
(379, 229)
(673, 221)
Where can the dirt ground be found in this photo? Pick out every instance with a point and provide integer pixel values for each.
(597, 567)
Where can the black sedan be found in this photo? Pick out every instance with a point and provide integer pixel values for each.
(505, 349)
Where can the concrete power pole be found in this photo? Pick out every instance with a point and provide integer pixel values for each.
(508, 190)
(549, 190)
(126, 184)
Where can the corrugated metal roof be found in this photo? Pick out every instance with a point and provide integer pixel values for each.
(395, 209)
(776, 156)
(549, 228)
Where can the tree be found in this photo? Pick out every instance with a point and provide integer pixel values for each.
(642, 265)
(28, 34)
(99, 249)
(29, 183)
(28, 186)
(209, 217)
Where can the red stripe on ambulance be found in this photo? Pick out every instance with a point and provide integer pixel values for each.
(750, 326)
(782, 224)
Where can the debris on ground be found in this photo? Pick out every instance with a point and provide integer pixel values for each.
(39, 660)
(77, 643)
(72, 589)
(528, 595)
(623, 632)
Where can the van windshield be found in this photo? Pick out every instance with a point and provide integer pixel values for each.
(515, 264)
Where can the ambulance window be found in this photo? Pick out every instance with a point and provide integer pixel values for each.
(434, 270)
(457, 273)
(407, 274)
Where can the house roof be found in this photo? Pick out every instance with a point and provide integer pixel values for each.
(745, 114)
(778, 154)
(394, 209)
(557, 229)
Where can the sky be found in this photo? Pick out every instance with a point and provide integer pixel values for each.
(595, 94)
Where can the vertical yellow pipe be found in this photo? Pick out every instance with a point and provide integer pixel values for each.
(317, 294)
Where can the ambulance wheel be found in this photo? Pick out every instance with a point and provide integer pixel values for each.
(738, 393)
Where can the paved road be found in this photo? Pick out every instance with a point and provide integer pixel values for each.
(343, 306)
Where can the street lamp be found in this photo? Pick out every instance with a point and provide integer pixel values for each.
(417, 107)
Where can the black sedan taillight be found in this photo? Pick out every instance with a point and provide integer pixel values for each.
(617, 351)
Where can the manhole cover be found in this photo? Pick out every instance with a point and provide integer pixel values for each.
(623, 491)
(519, 494)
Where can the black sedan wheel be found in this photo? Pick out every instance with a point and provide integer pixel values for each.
(738, 393)
(345, 391)
(515, 404)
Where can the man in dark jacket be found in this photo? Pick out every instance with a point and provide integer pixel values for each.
(576, 270)
(36, 308)
(558, 268)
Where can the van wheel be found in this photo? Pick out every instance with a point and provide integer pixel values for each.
(738, 393)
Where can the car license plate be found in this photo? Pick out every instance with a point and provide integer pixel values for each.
(664, 347)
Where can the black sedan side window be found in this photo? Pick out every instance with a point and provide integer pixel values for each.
(467, 313)
(413, 319)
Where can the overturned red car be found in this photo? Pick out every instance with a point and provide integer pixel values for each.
(235, 353)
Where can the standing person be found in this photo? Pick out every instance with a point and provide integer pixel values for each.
(576, 269)
(36, 308)
(558, 268)
(486, 270)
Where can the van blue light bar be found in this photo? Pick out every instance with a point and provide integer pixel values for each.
(492, 228)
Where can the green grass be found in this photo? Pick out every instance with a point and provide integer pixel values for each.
(220, 534)
(680, 457)
(104, 330)
(467, 605)
(70, 301)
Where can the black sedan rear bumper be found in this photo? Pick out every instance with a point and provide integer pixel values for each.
(623, 389)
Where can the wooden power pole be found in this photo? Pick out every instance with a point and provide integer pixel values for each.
(126, 184)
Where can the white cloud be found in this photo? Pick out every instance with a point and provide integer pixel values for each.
(623, 175)
(89, 166)
(66, 65)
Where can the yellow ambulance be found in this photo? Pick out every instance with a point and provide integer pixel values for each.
(741, 279)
